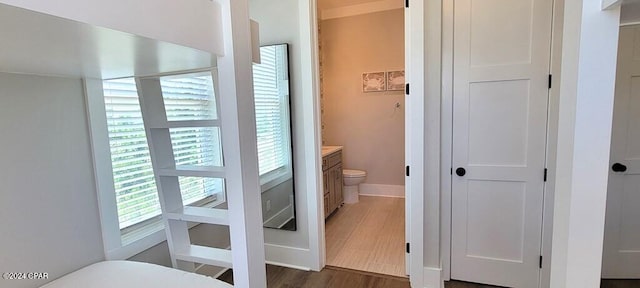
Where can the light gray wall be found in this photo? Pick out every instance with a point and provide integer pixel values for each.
(279, 23)
(279, 196)
(630, 12)
(368, 125)
(48, 206)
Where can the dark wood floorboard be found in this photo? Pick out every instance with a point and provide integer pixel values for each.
(603, 284)
(280, 277)
(329, 277)
(620, 284)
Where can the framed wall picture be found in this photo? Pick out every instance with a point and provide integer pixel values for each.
(373, 82)
(395, 80)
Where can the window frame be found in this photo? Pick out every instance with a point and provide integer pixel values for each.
(121, 244)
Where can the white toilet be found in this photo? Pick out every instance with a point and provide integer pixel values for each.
(352, 180)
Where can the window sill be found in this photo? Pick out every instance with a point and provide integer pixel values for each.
(137, 246)
(274, 178)
(154, 234)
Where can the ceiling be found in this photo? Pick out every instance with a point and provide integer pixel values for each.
(35, 43)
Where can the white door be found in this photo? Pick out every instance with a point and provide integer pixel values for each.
(621, 257)
(501, 68)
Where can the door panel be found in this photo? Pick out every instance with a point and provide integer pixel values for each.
(490, 235)
(487, 37)
(501, 67)
(496, 141)
(621, 257)
(630, 220)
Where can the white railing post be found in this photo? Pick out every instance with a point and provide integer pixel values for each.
(239, 142)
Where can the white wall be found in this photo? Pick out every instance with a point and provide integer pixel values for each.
(48, 205)
(279, 23)
(589, 52)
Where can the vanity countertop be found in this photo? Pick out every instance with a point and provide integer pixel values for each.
(327, 150)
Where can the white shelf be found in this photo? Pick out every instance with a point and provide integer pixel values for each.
(200, 215)
(206, 255)
(193, 171)
(186, 124)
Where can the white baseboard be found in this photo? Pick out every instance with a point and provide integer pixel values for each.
(433, 278)
(290, 257)
(395, 191)
(281, 218)
(288, 266)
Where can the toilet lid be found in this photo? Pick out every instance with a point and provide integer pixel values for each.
(353, 173)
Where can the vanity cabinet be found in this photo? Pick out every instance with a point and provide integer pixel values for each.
(332, 179)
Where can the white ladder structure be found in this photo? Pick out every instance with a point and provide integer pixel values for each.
(236, 121)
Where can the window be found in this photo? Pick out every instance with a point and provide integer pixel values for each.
(271, 92)
(133, 178)
(189, 97)
(186, 98)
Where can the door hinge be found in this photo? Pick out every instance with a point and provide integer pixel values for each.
(545, 174)
(407, 171)
(406, 88)
(408, 248)
(406, 3)
(540, 264)
(550, 80)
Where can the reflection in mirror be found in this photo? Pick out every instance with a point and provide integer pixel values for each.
(273, 126)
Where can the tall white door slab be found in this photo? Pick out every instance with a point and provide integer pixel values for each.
(501, 68)
(621, 257)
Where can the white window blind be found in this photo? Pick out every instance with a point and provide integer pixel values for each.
(135, 186)
(189, 97)
(186, 98)
(272, 153)
(192, 97)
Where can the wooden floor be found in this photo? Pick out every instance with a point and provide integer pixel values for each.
(280, 277)
(368, 236)
(603, 284)
(620, 284)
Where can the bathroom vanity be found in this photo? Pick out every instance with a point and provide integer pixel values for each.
(332, 178)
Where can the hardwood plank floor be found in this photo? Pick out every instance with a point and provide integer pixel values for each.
(620, 283)
(603, 284)
(368, 236)
(280, 277)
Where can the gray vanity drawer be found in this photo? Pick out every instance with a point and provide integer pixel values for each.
(331, 160)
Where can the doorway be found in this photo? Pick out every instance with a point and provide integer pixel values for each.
(361, 53)
(621, 253)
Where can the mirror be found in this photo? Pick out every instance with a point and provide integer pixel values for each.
(273, 127)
